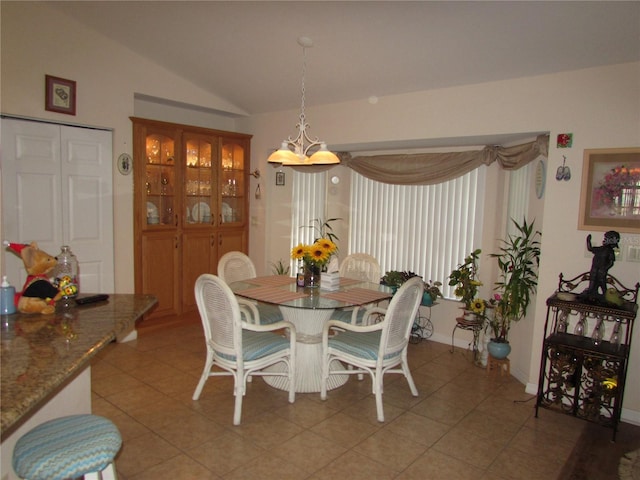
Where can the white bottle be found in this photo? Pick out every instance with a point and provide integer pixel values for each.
(7, 297)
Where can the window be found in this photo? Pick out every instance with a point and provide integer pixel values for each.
(308, 203)
(426, 229)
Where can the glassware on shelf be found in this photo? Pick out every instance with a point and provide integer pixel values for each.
(563, 321)
(581, 326)
(615, 338)
(598, 332)
(153, 150)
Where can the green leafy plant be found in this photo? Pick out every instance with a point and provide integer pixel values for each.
(433, 289)
(465, 278)
(395, 278)
(324, 229)
(279, 268)
(518, 260)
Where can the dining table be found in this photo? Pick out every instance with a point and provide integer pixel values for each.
(309, 309)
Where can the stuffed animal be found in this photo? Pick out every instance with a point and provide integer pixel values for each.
(38, 294)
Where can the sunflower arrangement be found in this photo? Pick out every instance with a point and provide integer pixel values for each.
(316, 255)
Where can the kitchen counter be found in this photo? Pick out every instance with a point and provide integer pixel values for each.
(41, 354)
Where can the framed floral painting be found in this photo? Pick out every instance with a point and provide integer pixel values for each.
(610, 195)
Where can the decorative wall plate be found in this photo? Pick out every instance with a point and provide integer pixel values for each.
(125, 164)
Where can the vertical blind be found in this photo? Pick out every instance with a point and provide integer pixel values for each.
(427, 229)
(309, 201)
(519, 190)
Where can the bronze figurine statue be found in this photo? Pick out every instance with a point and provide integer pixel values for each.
(603, 259)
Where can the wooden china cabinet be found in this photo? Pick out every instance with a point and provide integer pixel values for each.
(191, 207)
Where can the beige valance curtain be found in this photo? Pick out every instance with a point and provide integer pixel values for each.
(433, 168)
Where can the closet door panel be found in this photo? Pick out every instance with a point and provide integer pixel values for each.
(87, 204)
(57, 190)
(31, 208)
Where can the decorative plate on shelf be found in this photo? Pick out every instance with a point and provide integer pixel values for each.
(200, 211)
(152, 210)
(227, 212)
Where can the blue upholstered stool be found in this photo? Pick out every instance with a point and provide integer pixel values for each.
(68, 447)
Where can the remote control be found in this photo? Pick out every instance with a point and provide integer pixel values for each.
(92, 299)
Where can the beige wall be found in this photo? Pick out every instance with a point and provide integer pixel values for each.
(37, 40)
(600, 106)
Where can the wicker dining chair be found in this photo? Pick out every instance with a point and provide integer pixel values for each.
(237, 266)
(375, 349)
(358, 266)
(240, 347)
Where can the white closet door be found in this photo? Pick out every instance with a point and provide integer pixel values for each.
(87, 205)
(57, 190)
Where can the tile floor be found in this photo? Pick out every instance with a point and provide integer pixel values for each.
(465, 424)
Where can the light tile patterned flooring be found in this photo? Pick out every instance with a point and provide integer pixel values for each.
(465, 424)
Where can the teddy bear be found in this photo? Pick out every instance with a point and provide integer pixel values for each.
(38, 294)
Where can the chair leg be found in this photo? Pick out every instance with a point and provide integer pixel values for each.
(239, 388)
(377, 381)
(409, 377)
(109, 473)
(292, 383)
(324, 378)
(205, 375)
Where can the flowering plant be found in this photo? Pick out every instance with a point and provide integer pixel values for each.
(465, 279)
(316, 255)
(610, 187)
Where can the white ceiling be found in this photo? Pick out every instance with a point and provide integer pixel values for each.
(247, 52)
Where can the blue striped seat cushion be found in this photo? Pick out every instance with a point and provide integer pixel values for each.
(257, 345)
(269, 313)
(362, 344)
(67, 447)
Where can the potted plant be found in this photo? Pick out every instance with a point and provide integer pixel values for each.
(431, 292)
(279, 268)
(395, 278)
(465, 279)
(518, 260)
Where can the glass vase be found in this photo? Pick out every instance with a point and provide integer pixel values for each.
(311, 275)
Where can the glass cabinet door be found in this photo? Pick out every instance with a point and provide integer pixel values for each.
(200, 158)
(160, 179)
(232, 182)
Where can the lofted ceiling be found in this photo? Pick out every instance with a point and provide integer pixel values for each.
(247, 52)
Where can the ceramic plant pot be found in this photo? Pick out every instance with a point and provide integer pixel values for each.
(499, 350)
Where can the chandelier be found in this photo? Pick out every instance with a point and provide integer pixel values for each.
(293, 151)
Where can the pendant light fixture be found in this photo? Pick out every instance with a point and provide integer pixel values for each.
(293, 151)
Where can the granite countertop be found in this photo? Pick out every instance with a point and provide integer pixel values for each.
(40, 353)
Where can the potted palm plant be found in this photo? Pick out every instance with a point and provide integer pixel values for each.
(518, 259)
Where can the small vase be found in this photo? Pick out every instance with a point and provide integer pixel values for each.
(499, 350)
(311, 276)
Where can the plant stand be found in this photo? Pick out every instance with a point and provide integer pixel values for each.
(474, 326)
(422, 326)
(501, 365)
